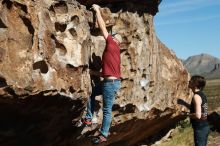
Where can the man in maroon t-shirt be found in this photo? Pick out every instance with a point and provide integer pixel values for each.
(111, 83)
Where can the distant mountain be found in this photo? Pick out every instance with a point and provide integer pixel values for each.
(203, 64)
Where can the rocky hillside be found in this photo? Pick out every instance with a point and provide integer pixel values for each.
(203, 64)
(46, 50)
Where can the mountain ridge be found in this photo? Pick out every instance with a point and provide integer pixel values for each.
(203, 64)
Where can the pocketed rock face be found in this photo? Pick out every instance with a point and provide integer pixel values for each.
(43, 45)
(46, 49)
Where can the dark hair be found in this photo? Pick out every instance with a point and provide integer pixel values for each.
(198, 81)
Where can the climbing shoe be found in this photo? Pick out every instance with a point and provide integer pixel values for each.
(99, 139)
(87, 122)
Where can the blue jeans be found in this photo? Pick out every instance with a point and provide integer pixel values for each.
(109, 91)
(96, 91)
(201, 131)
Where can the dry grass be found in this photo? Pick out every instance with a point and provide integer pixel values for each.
(180, 138)
(212, 90)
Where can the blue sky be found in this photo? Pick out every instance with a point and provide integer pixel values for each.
(189, 27)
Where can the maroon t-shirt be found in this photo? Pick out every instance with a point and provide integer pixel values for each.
(111, 59)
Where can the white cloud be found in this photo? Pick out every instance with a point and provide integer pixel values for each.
(169, 7)
(187, 8)
(189, 20)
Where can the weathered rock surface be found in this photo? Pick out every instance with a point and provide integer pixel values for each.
(46, 50)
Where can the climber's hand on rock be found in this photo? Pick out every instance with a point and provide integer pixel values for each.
(95, 7)
(95, 73)
(184, 113)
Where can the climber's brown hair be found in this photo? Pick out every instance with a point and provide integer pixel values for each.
(198, 82)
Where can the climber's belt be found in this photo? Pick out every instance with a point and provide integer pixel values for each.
(111, 80)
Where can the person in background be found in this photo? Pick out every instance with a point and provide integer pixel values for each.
(199, 111)
(111, 83)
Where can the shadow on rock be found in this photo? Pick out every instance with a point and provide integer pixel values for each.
(214, 119)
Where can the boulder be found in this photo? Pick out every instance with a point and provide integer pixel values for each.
(47, 48)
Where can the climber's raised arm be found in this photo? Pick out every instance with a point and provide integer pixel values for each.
(100, 20)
